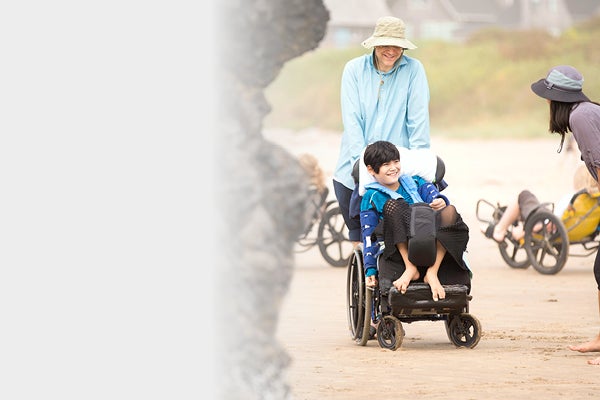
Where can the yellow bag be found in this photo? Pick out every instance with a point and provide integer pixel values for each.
(576, 219)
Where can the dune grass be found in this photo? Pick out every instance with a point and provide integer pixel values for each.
(480, 88)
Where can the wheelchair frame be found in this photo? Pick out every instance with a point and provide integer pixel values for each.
(331, 234)
(546, 249)
(364, 308)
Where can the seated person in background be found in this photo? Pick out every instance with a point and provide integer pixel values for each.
(318, 190)
(519, 209)
(385, 208)
(311, 165)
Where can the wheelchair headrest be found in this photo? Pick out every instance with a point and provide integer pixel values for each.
(440, 170)
(355, 171)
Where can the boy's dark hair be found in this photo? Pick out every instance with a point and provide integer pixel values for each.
(380, 152)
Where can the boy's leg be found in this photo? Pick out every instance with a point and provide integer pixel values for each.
(396, 216)
(390, 269)
(411, 273)
(450, 273)
(431, 276)
(447, 270)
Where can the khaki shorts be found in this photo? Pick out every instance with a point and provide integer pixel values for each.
(527, 203)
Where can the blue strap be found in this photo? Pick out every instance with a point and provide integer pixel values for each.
(408, 184)
(411, 188)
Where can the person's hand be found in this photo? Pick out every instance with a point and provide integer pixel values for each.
(437, 204)
(371, 281)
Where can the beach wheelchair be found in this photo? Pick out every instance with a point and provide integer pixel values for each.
(549, 239)
(367, 308)
(325, 226)
(325, 229)
(388, 309)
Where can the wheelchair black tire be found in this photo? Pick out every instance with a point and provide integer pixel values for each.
(464, 330)
(514, 254)
(334, 244)
(547, 249)
(358, 300)
(390, 333)
(366, 322)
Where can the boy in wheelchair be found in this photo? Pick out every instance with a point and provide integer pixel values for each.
(410, 231)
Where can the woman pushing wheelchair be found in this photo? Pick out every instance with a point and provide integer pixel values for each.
(424, 237)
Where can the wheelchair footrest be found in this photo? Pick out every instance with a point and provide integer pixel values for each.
(418, 300)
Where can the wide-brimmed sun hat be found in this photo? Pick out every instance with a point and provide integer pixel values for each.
(389, 31)
(563, 83)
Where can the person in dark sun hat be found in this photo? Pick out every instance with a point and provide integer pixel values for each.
(384, 96)
(563, 83)
(572, 111)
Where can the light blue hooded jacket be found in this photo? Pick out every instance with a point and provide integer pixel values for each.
(397, 111)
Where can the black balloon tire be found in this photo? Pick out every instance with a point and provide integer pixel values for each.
(514, 254)
(358, 300)
(547, 249)
(390, 333)
(464, 330)
(333, 238)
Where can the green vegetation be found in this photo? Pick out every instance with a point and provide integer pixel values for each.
(478, 89)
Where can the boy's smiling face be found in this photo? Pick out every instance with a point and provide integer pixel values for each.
(388, 174)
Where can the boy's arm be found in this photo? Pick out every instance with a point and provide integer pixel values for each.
(429, 192)
(369, 219)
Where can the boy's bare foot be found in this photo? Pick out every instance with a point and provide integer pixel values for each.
(410, 274)
(437, 290)
(592, 345)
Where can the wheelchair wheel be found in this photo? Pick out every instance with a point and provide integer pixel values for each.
(514, 254)
(334, 245)
(546, 242)
(358, 300)
(464, 330)
(390, 333)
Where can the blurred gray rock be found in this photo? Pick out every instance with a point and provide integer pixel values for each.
(262, 192)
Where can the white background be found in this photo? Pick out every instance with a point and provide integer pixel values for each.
(105, 141)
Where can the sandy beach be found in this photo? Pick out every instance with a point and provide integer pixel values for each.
(527, 318)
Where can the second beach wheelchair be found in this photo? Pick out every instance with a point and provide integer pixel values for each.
(549, 238)
(387, 308)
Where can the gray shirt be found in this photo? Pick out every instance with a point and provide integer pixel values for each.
(585, 125)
